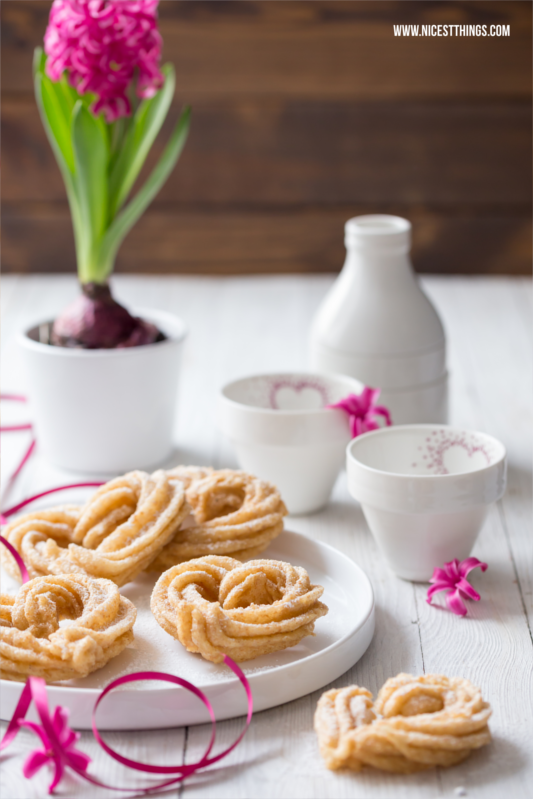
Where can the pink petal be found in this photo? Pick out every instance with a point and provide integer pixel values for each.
(39, 730)
(442, 576)
(343, 405)
(69, 738)
(383, 411)
(467, 590)
(58, 775)
(362, 411)
(452, 569)
(371, 393)
(60, 720)
(361, 402)
(357, 427)
(439, 586)
(370, 425)
(466, 566)
(455, 603)
(353, 404)
(78, 759)
(34, 762)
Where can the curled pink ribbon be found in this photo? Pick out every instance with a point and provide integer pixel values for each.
(59, 740)
(13, 552)
(452, 578)
(28, 426)
(10, 511)
(362, 411)
(16, 428)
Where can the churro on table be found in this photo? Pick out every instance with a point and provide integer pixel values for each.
(414, 724)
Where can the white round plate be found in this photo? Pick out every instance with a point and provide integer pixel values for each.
(340, 639)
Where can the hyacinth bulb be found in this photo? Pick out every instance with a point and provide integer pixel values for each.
(94, 320)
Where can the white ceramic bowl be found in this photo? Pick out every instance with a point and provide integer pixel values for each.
(425, 491)
(106, 411)
(282, 432)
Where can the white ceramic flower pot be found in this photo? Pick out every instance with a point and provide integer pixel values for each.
(105, 411)
(425, 491)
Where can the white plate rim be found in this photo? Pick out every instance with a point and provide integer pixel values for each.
(58, 692)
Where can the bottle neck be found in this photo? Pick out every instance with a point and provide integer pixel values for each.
(378, 267)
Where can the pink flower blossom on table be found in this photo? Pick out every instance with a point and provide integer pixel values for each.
(62, 754)
(452, 578)
(102, 44)
(362, 411)
(66, 754)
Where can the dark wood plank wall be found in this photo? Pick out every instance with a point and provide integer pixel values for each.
(305, 113)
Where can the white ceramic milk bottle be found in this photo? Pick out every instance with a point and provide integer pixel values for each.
(377, 325)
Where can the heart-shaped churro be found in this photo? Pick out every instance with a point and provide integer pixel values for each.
(414, 724)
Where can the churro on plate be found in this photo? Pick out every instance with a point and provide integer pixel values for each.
(217, 605)
(232, 513)
(115, 535)
(61, 627)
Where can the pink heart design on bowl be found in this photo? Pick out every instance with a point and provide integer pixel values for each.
(449, 453)
(301, 395)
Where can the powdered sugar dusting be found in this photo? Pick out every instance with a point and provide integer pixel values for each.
(154, 650)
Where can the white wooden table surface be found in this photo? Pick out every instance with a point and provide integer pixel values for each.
(243, 325)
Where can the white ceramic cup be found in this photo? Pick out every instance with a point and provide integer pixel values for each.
(105, 411)
(425, 491)
(283, 432)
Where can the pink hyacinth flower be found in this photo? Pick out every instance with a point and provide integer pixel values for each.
(452, 578)
(102, 45)
(60, 755)
(362, 411)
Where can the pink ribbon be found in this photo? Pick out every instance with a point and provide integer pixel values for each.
(14, 428)
(59, 740)
(17, 428)
(362, 411)
(20, 563)
(6, 513)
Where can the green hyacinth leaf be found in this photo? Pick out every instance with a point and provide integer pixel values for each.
(39, 59)
(56, 123)
(142, 131)
(70, 95)
(91, 156)
(56, 113)
(138, 204)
